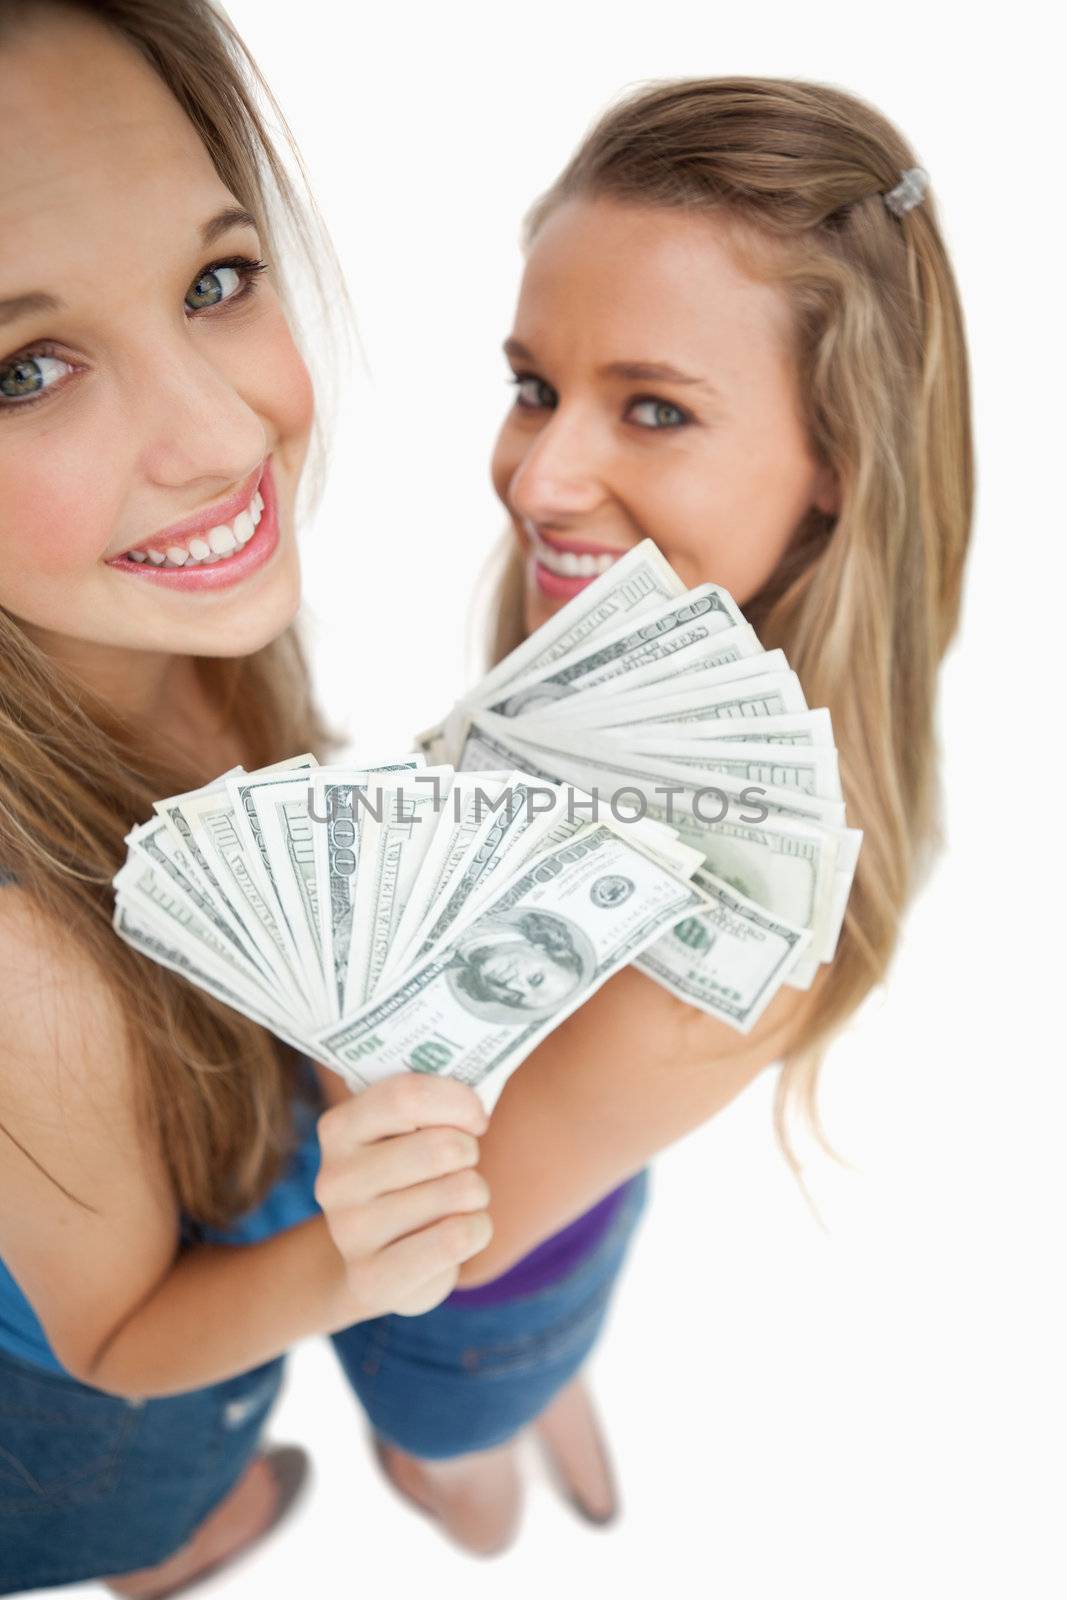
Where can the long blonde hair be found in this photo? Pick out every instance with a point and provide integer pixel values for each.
(866, 603)
(215, 1089)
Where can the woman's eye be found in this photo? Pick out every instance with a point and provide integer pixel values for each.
(532, 393)
(211, 287)
(662, 413)
(27, 375)
(24, 378)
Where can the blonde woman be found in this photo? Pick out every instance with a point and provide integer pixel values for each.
(737, 334)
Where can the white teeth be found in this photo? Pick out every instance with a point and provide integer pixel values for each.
(567, 563)
(217, 544)
(221, 539)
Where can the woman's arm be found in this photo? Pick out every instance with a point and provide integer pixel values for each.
(89, 1224)
(628, 1073)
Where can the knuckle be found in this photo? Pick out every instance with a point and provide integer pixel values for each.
(454, 1148)
(463, 1232)
(408, 1094)
(470, 1189)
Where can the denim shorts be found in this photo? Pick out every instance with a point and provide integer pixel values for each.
(93, 1485)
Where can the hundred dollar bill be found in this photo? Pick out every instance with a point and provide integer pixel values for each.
(210, 816)
(149, 898)
(514, 829)
(184, 833)
(338, 800)
(810, 729)
(553, 934)
(652, 641)
(270, 815)
(701, 653)
(170, 952)
(631, 587)
(786, 864)
(769, 694)
(646, 690)
(592, 763)
(809, 770)
(470, 800)
(729, 959)
(153, 843)
(394, 838)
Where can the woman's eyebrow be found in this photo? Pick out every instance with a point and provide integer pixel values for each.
(632, 371)
(38, 303)
(24, 305)
(223, 221)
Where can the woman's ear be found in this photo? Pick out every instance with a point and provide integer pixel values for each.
(826, 495)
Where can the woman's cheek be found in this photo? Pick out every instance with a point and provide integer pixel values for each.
(282, 379)
(66, 527)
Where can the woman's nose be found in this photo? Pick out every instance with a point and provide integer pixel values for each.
(196, 421)
(559, 474)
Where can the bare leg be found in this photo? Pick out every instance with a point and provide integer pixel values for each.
(254, 1505)
(572, 1440)
(477, 1497)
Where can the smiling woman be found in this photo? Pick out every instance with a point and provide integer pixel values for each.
(738, 333)
(140, 307)
(177, 1204)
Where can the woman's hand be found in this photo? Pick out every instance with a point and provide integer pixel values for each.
(400, 1194)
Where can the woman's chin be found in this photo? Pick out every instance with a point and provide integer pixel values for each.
(253, 627)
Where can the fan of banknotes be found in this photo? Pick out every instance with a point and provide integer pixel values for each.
(662, 700)
(639, 782)
(399, 916)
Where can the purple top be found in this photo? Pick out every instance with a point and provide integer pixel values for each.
(550, 1260)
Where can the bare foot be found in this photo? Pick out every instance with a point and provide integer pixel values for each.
(476, 1497)
(251, 1507)
(571, 1437)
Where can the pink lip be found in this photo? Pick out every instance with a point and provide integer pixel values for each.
(204, 521)
(578, 547)
(556, 586)
(219, 574)
(553, 584)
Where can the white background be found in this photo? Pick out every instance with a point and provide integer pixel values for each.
(875, 1410)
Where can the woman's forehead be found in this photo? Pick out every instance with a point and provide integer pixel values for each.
(606, 278)
(94, 142)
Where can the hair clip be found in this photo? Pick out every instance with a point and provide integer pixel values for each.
(908, 192)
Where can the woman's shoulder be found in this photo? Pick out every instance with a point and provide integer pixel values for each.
(61, 1017)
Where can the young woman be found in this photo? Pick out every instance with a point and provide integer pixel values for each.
(178, 1203)
(737, 334)
(149, 1130)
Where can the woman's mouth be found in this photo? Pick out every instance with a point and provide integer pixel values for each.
(564, 567)
(215, 557)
